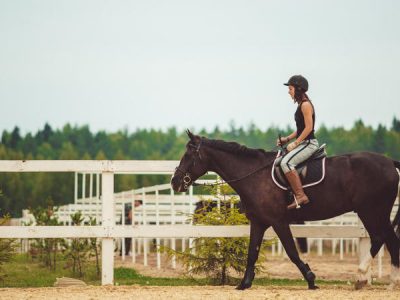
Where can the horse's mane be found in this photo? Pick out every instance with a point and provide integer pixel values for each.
(233, 147)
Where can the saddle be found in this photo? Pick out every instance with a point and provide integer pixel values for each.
(311, 171)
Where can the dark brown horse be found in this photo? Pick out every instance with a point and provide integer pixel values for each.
(364, 182)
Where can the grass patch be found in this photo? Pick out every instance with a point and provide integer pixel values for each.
(294, 282)
(124, 276)
(23, 272)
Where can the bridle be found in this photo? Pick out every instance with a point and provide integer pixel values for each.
(187, 179)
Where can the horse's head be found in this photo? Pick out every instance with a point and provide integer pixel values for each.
(192, 165)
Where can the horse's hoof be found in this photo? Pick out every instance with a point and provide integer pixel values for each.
(313, 287)
(359, 284)
(243, 285)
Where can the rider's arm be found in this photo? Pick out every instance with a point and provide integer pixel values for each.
(307, 110)
(286, 139)
(292, 136)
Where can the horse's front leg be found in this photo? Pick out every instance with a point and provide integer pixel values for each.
(286, 237)
(256, 236)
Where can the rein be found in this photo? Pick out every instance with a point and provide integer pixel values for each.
(232, 180)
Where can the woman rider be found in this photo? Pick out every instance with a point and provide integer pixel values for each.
(305, 143)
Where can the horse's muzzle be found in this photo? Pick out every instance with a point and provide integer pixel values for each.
(177, 184)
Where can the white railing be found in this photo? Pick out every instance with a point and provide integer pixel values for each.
(108, 230)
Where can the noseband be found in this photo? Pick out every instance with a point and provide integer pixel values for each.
(187, 178)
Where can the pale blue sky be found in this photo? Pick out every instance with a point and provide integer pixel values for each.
(153, 64)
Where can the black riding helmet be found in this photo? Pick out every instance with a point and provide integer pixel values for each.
(299, 82)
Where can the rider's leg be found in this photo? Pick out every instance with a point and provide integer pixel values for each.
(288, 164)
(299, 196)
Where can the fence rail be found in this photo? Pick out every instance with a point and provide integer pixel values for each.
(93, 166)
(171, 231)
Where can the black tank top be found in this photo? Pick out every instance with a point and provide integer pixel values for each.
(300, 124)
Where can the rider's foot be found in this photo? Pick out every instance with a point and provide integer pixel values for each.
(297, 203)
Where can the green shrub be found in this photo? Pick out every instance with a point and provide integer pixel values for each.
(45, 250)
(77, 250)
(95, 247)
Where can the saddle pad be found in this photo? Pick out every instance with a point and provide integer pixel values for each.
(312, 173)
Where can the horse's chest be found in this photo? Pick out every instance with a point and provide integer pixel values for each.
(265, 212)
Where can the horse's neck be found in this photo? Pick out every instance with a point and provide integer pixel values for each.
(232, 166)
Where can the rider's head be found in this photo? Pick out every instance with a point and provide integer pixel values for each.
(298, 86)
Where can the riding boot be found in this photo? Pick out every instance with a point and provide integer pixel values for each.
(299, 196)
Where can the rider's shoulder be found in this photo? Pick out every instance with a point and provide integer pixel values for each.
(306, 104)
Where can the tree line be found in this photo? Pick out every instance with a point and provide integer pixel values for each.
(23, 190)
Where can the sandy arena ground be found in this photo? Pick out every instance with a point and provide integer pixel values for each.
(326, 267)
(204, 292)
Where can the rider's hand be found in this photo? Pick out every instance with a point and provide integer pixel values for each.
(284, 140)
(291, 146)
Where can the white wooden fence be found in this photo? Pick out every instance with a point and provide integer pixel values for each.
(108, 230)
(161, 206)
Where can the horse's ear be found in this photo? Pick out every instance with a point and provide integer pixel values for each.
(190, 135)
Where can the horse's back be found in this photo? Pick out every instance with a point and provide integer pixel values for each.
(353, 182)
(365, 177)
(365, 165)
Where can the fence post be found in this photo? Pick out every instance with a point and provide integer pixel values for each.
(107, 244)
(123, 246)
(76, 187)
(91, 187)
(173, 244)
(83, 185)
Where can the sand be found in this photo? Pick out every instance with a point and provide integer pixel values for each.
(204, 292)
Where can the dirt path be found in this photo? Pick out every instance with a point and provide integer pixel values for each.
(204, 292)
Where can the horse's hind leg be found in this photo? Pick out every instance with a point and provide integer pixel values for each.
(380, 233)
(286, 237)
(393, 246)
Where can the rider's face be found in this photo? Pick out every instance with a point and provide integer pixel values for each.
(291, 91)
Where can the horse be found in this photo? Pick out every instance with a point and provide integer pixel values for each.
(363, 182)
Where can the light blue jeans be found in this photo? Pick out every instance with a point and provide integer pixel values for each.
(299, 154)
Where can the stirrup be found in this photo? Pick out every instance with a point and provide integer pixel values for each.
(297, 203)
